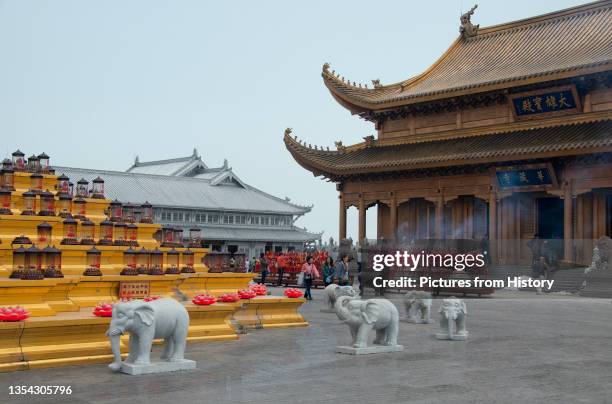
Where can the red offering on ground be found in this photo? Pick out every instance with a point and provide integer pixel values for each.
(229, 298)
(246, 293)
(16, 313)
(259, 289)
(103, 310)
(204, 300)
(293, 293)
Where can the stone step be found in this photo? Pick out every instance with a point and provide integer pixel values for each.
(568, 280)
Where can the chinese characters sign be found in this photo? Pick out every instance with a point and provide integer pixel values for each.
(525, 177)
(135, 289)
(545, 102)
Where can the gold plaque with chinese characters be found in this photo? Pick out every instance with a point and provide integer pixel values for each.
(134, 289)
(545, 102)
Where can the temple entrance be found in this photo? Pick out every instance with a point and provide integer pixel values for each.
(550, 218)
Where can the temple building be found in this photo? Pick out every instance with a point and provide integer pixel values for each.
(185, 193)
(506, 136)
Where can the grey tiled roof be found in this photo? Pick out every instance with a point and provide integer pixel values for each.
(264, 235)
(183, 192)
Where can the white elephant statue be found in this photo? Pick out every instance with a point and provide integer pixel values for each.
(452, 320)
(146, 321)
(332, 292)
(418, 307)
(362, 316)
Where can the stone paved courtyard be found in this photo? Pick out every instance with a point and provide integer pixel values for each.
(522, 349)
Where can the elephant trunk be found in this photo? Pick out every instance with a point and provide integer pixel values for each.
(451, 328)
(115, 340)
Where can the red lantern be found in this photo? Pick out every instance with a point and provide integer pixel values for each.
(63, 185)
(188, 262)
(29, 203)
(178, 237)
(19, 262)
(167, 237)
(18, 161)
(5, 201)
(128, 213)
(172, 262)
(144, 261)
(156, 261)
(132, 234)
(82, 188)
(33, 166)
(106, 233)
(130, 258)
(43, 163)
(32, 258)
(93, 258)
(97, 190)
(147, 213)
(120, 234)
(47, 204)
(64, 205)
(44, 233)
(116, 211)
(53, 262)
(194, 237)
(70, 231)
(80, 208)
(7, 175)
(87, 232)
(36, 183)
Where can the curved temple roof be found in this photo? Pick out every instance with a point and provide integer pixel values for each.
(552, 46)
(577, 138)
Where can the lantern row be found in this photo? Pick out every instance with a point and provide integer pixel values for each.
(33, 263)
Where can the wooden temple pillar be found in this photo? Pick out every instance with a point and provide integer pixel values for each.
(342, 218)
(568, 255)
(362, 220)
(493, 226)
(393, 216)
(439, 217)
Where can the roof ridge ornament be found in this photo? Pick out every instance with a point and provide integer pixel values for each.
(376, 83)
(339, 145)
(467, 29)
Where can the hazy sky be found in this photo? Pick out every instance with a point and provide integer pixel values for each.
(95, 83)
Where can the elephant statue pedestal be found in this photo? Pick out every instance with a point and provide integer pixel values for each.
(363, 316)
(332, 293)
(157, 367)
(452, 320)
(146, 321)
(418, 307)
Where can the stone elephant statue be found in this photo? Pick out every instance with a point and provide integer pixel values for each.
(362, 316)
(452, 319)
(418, 307)
(333, 291)
(145, 321)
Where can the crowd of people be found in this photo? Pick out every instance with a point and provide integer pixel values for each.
(307, 266)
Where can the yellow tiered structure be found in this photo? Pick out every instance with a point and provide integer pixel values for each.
(63, 330)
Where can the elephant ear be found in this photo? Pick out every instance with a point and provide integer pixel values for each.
(369, 312)
(145, 314)
(464, 307)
